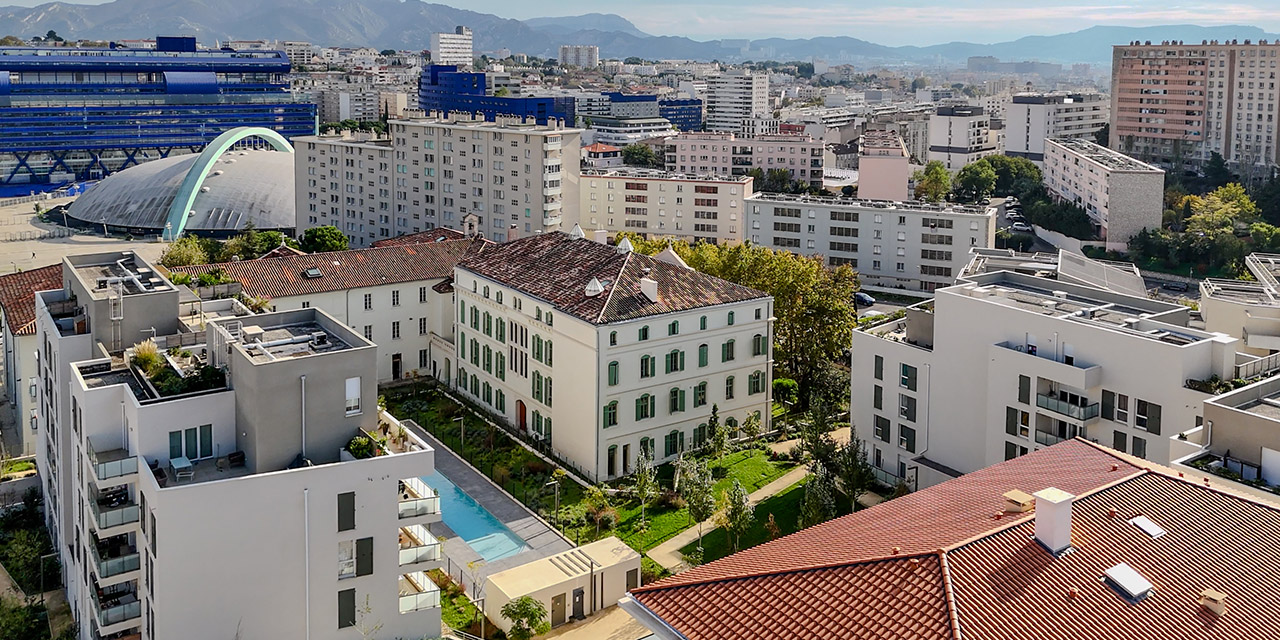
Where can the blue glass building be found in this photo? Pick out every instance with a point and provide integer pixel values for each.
(443, 88)
(684, 113)
(79, 113)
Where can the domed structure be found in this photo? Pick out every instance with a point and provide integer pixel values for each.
(214, 193)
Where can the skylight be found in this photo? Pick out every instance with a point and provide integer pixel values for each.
(312, 273)
(1128, 582)
(1148, 527)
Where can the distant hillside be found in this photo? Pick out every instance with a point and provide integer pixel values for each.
(604, 22)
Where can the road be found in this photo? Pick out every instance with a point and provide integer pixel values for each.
(1002, 222)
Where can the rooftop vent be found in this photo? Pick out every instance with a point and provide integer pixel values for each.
(1060, 295)
(312, 273)
(625, 246)
(576, 232)
(649, 287)
(1215, 601)
(1053, 519)
(594, 288)
(1128, 582)
(1148, 527)
(252, 334)
(1018, 502)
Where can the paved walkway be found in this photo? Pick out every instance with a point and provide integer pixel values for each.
(610, 624)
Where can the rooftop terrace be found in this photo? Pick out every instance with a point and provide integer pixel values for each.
(1113, 160)
(841, 201)
(124, 272)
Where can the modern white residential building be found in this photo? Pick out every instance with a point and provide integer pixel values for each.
(452, 48)
(1246, 309)
(395, 296)
(623, 353)
(727, 154)
(360, 102)
(883, 167)
(960, 134)
(909, 245)
(1032, 118)
(660, 204)
(1003, 363)
(21, 380)
(225, 458)
(622, 131)
(1121, 195)
(736, 96)
(502, 179)
(586, 56)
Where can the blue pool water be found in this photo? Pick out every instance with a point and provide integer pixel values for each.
(472, 522)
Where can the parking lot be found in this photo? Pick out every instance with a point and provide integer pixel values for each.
(18, 221)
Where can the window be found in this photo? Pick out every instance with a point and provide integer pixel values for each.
(702, 323)
(908, 377)
(674, 443)
(646, 447)
(882, 428)
(755, 383)
(1147, 416)
(1122, 408)
(537, 386)
(346, 608)
(906, 407)
(759, 346)
(368, 302)
(346, 511)
(877, 397)
(395, 329)
(1118, 440)
(907, 438)
(677, 400)
(422, 294)
(702, 355)
(488, 324)
(613, 338)
(368, 332)
(353, 396)
(1024, 389)
(346, 559)
(644, 333)
(726, 351)
(700, 394)
(731, 318)
(613, 460)
(675, 361)
(395, 297)
(879, 368)
(611, 414)
(646, 406)
(1139, 447)
(1012, 451)
(648, 366)
(364, 556)
(673, 328)
(613, 373)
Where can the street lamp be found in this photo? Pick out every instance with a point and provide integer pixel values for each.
(462, 425)
(557, 486)
(42, 559)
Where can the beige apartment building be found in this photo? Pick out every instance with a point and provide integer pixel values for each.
(503, 179)
(883, 171)
(1122, 196)
(728, 154)
(1174, 103)
(654, 203)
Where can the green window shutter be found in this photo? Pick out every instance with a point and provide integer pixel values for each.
(653, 405)
(639, 408)
(682, 361)
(702, 355)
(346, 608)
(682, 399)
(346, 511)
(364, 556)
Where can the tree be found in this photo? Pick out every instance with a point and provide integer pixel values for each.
(639, 155)
(528, 618)
(819, 502)
(696, 488)
(719, 434)
(387, 52)
(1103, 135)
(1216, 172)
(853, 469)
(21, 622)
(736, 512)
(184, 252)
(52, 36)
(933, 183)
(1014, 175)
(501, 92)
(646, 480)
(919, 83)
(12, 41)
(815, 437)
(326, 238)
(975, 181)
(751, 426)
(1268, 199)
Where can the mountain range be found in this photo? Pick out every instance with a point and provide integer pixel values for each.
(405, 24)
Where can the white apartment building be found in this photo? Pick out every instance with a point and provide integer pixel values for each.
(910, 245)
(238, 476)
(727, 154)
(1032, 118)
(883, 167)
(1004, 363)
(299, 52)
(602, 353)
(736, 96)
(348, 102)
(622, 131)
(396, 296)
(21, 360)
(909, 121)
(959, 135)
(660, 204)
(1246, 309)
(502, 179)
(586, 56)
(1121, 195)
(452, 48)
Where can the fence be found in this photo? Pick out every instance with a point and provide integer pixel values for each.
(19, 236)
(1254, 368)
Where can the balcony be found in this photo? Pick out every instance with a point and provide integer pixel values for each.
(1046, 438)
(1082, 413)
(1071, 372)
(116, 604)
(885, 478)
(548, 207)
(115, 556)
(418, 592)
(113, 508)
(551, 221)
(418, 545)
(417, 499)
(112, 464)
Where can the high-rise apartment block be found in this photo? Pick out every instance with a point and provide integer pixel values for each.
(734, 97)
(221, 452)
(586, 56)
(727, 154)
(696, 208)
(1032, 118)
(1173, 104)
(1121, 195)
(452, 48)
(883, 167)
(502, 179)
(959, 135)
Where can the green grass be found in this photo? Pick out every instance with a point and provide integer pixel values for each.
(18, 466)
(456, 610)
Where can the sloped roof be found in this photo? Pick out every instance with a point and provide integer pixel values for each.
(430, 235)
(600, 147)
(18, 296)
(977, 575)
(340, 270)
(556, 267)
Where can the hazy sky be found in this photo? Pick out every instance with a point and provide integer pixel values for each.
(892, 22)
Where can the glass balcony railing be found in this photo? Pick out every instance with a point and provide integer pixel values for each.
(418, 545)
(115, 463)
(417, 499)
(116, 605)
(1079, 412)
(884, 477)
(1046, 438)
(108, 517)
(124, 563)
(417, 592)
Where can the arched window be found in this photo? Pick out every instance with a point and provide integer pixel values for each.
(645, 406)
(673, 328)
(613, 338)
(730, 318)
(700, 394)
(731, 424)
(758, 345)
(702, 323)
(486, 291)
(702, 355)
(677, 400)
(728, 388)
(613, 373)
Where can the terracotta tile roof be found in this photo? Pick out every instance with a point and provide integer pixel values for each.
(282, 251)
(430, 235)
(18, 296)
(340, 270)
(556, 267)
(988, 575)
(600, 147)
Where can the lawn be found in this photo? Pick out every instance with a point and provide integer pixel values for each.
(456, 610)
(18, 466)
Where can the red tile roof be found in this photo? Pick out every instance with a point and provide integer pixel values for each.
(430, 235)
(18, 296)
(340, 270)
(600, 147)
(979, 576)
(556, 267)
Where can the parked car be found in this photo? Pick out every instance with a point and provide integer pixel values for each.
(872, 314)
(863, 299)
(1175, 285)
(1014, 216)
(1021, 227)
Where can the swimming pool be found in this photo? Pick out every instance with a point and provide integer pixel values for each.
(473, 523)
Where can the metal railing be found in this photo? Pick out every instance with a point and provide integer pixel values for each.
(117, 613)
(1079, 412)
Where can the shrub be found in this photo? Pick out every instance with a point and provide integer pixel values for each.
(535, 467)
(785, 390)
(146, 356)
(501, 475)
(360, 447)
(669, 500)
(180, 278)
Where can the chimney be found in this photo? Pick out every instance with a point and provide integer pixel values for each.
(1053, 519)
(601, 236)
(1215, 601)
(1018, 502)
(649, 287)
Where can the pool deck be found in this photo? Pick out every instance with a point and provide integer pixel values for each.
(543, 541)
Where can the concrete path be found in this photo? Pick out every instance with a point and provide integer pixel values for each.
(840, 435)
(610, 624)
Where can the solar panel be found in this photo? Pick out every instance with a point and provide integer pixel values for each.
(1129, 582)
(1148, 527)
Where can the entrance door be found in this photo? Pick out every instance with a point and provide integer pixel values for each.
(557, 610)
(633, 579)
(521, 420)
(578, 611)
(397, 366)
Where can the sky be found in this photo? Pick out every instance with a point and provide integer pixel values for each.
(889, 22)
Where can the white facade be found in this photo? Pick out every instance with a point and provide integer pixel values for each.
(452, 48)
(959, 135)
(1246, 309)
(734, 97)
(660, 204)
(1121, 195)
(504, 179)
(1033, 118)
(1005, 363)
(586, 56)
(726, 154)
(890, 244)
(348, 102)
